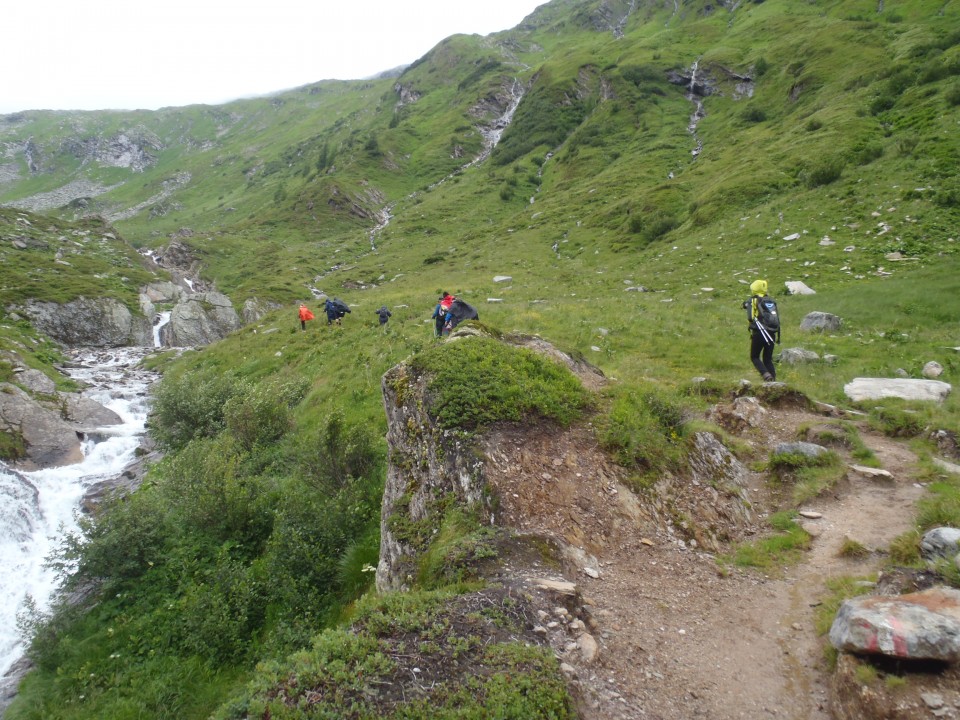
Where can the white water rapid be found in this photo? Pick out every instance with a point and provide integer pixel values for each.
(38, 508)
(162, 319)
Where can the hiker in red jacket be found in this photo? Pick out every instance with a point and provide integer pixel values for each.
(304, 315)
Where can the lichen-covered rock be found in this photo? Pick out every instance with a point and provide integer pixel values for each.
(430, 470)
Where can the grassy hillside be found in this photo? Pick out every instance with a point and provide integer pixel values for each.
(828, 155)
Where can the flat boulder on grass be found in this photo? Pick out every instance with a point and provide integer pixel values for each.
(822, 321)
(916, 626)
(906, 388)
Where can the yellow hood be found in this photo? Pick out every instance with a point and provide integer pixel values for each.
(758, 287)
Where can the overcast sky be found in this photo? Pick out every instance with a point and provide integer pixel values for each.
(131, 54)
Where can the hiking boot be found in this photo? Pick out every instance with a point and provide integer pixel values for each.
(767, 377)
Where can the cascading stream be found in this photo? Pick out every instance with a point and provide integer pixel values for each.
(38, 509)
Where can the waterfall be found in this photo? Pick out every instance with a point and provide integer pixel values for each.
(38, 508)
(162, 319)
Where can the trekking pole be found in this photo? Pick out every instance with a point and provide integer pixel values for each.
(767, 338)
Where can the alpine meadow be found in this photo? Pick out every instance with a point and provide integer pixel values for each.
(608, 177)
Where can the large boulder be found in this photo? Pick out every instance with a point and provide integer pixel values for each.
(200, 319)
(51, 433)
(822, 321)
(94, 322)
(908, 389)
(916, 626)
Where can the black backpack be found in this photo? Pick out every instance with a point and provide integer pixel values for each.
(768, 318)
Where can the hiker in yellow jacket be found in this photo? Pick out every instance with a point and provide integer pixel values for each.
(764, 324)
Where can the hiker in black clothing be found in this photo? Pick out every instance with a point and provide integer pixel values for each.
(383, 314)
(764, 325)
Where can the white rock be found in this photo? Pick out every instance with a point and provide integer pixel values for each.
(494, 300)
(871, 472)
(793, 236)
(796, 287)
(932, 369)
(502, 278)
(590, 572)
(905, 388)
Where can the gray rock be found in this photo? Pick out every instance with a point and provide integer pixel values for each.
(821, 321)
(589, 649)
(36, 381)
(50, 434)
(916, 626)
(254, 309)
(502, 278)
(940, 542)
(932, 369)
(201, 319)
(908, 389)
(797, 356)
(808, 450)
(99, 322)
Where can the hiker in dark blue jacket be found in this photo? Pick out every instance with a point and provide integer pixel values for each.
(383, 314)
(331, 310)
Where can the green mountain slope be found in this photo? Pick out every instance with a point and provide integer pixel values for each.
(824, 150)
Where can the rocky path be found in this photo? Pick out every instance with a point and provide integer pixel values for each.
(682, 636)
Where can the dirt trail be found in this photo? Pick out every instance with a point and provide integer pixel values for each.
(682, 641)
(680, 637)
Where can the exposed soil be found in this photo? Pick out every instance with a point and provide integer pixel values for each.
(680, 635)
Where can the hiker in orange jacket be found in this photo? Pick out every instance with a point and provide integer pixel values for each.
(304, 315)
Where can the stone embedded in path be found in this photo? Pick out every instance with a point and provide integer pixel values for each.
(916, 626)
(822, 321)
(589, 649)
(871, 472)
(940, 542)
(905, 388)
(558, 586)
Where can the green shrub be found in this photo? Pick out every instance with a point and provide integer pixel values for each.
(12, 446)
(477, 381)
(261, 414)
(334, 455)
(205, 482)
(824, 173)
(952, 95)
(897, 422)
(753, 115)
(190, 406)
(645, 429)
